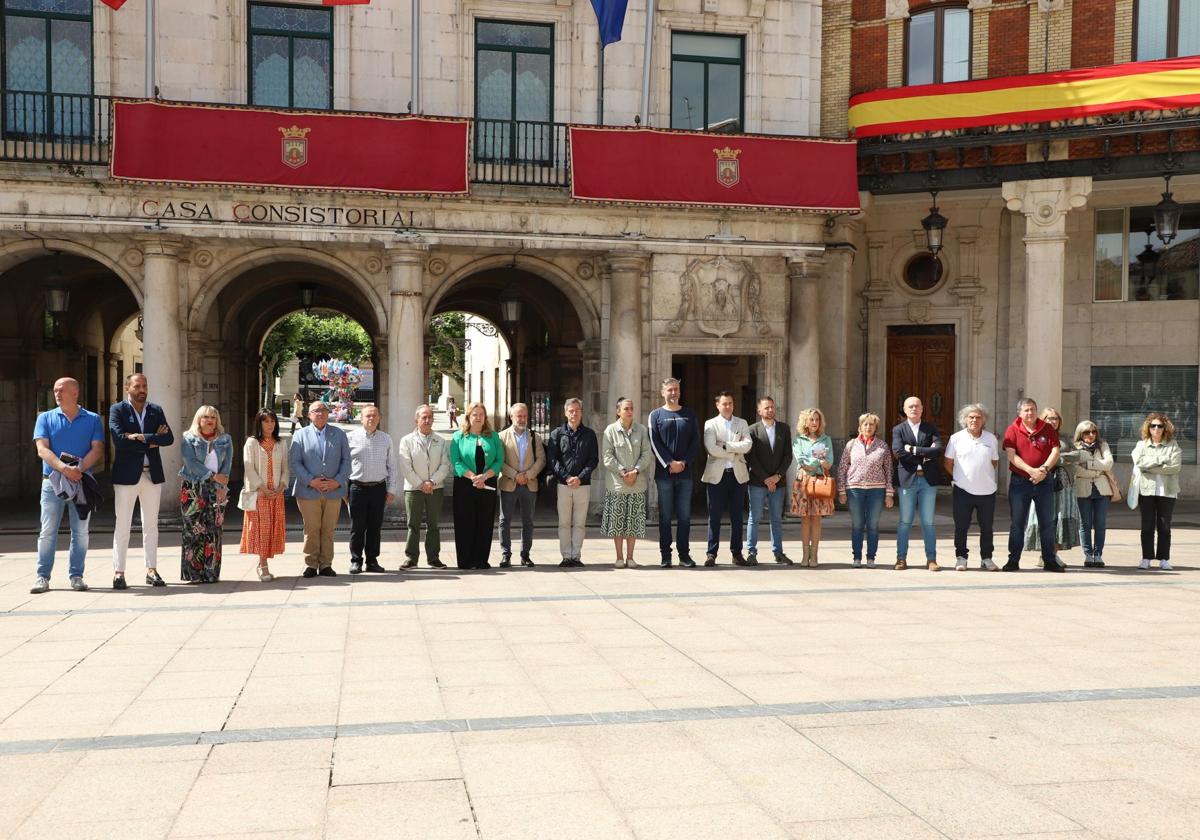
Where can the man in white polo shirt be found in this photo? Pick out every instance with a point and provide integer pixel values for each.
(971, 457)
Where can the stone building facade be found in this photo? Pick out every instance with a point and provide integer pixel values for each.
(1043, 288)
(202, 273)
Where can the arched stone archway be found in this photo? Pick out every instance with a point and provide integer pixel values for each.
(37, 347)
(205, 297)
(236, 308)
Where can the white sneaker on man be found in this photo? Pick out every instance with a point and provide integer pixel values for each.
(1145, 564)
(960, 564)
(1165, 565)
(986, 563)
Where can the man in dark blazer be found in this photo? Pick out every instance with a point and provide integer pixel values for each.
(918, 449)
(769, 458)
(138, 428)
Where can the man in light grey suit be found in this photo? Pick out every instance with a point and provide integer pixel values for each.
(726, 440)
(319, 459)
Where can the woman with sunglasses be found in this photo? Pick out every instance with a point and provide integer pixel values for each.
(1091, 466)
(1158, 460)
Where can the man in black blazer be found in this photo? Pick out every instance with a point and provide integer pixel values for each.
(769, 458)
(138, 429)
(918, 449)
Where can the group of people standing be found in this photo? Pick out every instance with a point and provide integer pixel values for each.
(1058, 494)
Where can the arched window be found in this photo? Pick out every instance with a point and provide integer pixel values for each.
(938, 46)
(1166, 29)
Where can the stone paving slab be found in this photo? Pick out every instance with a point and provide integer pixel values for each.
(645, 703)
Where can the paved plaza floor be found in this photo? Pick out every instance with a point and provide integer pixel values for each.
(604, 703)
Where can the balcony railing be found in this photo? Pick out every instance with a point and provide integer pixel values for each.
(55, 127)
(77, 129)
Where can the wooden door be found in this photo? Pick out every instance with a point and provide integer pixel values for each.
(920, 362)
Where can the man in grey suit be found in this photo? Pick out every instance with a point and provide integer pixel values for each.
(319, 459)
(727, 440)
(769, 457)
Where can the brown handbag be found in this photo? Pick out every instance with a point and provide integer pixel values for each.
(818, 486)
(1116, 488)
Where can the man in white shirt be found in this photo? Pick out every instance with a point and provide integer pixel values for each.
(726, 440)
(970, 458)
(425, 464)
(374, 482)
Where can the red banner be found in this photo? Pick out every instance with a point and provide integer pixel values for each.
(113, 4)
(654, 166)
(213, 144)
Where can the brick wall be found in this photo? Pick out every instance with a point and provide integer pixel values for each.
(1008, 41)
(867, 9)
(1093, 26)
(835, 67)
(869, 64)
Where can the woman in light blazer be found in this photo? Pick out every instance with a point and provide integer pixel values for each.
(1159, 461)
(265, 464)
(626, 456)
(1091, 468)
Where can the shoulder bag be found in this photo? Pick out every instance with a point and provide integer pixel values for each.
(1131, 496)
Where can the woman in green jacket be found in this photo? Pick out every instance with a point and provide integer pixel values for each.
(1158, 461)
(476, 454)
(627, 457)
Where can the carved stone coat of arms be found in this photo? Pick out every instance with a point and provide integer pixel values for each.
(718, 293)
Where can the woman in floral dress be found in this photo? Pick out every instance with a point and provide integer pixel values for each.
(814, 457)
(265, 464)
(207, 458)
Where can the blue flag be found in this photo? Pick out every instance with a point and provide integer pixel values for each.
(610, 14)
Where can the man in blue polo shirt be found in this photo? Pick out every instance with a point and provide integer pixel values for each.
(69, 429)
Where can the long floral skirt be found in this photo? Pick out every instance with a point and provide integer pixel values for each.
(203, 517)
(624, 515)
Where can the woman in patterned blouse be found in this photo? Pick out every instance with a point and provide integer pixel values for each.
(864, 480)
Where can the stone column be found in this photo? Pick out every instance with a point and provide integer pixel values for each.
(162, 351)
(624, 278)
(1045, 204)
(804, 333)
(406, 337)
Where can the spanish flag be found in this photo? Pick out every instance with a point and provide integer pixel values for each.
(1041, 97)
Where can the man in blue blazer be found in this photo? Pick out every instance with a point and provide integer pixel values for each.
(319, 459)
(918, 449)
(138, 429)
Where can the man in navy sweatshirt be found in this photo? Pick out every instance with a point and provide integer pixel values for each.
(675, 439)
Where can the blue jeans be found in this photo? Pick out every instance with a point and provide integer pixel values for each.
(1093, 519)
(674, 499)
(1021, 494)
(774, 501)
(918, 496)
(866, 503)
(52, 511)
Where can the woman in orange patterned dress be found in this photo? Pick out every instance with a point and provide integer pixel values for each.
(265, 459)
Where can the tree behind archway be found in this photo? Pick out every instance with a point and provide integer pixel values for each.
(317, 334)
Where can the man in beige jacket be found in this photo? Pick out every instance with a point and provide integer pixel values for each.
(524, 459)
(425, 464)
(726, 441)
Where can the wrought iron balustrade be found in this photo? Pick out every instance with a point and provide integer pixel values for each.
(55, 127)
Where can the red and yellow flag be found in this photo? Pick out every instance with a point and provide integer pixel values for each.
(113, 4)
(1066, 94)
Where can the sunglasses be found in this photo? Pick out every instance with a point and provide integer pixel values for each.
(1157, 426)
(1089, 432)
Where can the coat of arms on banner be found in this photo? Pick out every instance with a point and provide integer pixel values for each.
(295, 146)
(728, 173)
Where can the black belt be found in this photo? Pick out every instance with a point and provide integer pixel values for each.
(367, 483)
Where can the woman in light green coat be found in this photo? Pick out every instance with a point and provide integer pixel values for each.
(1158, 461)
(627, 458)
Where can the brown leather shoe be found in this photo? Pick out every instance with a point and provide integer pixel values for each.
(901, 565)
(933, 566)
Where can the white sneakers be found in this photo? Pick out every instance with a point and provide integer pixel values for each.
(960, 564)
(1165, 565)
(1145, 564)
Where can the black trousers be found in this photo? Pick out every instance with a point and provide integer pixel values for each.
(984, 509)
(474, 523)
(725, 495)
(367, 503)
(1156, 517)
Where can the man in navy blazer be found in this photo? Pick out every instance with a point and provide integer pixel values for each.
(139, 429)
(918, 449)
(319, 459)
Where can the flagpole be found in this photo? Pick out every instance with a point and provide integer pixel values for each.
(415, 105)
(646, 62)
(150, 43)
(600, 84)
